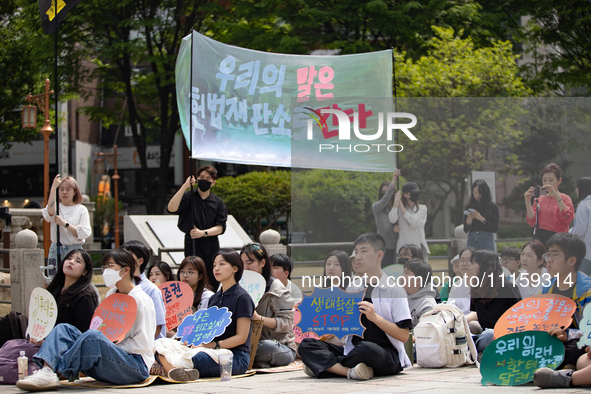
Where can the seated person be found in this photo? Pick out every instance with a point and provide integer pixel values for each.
(159, 273)
(228, 269)
(448, 284)
(460, 292)
(565, 254)
(421, 297)
(547, 378)
(491, 296)
(534, 272)
(141, 254)
(282, 267)
(68, 351)
(277, 345)
(338, 266)
(380, 351)
(409, 252)
(192, 272)
(510, 259)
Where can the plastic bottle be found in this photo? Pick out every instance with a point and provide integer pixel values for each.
(23, 366)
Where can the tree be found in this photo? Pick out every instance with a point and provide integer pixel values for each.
(257, 199)
(456, 134)
(558, 36)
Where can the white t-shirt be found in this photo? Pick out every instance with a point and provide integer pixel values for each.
(139, 338)
(76, 215)
(525, 282)
(461, 295)
(412, 226)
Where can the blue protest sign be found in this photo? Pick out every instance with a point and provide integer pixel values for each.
(204, 325)
(333, 311)
(585, 326)
(513, 358)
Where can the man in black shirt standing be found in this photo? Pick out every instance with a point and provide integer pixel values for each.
(207, 221)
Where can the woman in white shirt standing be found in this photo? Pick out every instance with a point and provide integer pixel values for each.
(411, 217)
(534, 272)
(73, 219)
(68, 351)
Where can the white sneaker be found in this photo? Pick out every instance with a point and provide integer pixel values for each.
(360, 372)
(41, 380)
(308, 371)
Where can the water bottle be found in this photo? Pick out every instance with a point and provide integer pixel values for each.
(23, 366)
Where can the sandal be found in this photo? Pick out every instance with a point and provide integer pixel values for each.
(183, 374)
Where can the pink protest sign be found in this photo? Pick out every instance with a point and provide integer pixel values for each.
(537, 313)
(178, 299)
(115, 316)
(42, 314)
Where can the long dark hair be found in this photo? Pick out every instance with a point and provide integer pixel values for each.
(484, 206)
(81, 288)
(344, 261)
(197, 263)
(490, 275)
(584, 186)
(125, 259)
(257, 252)
(381, 195)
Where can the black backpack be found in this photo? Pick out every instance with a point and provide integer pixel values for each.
(13, 326)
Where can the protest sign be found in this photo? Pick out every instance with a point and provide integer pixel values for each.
(262, 102)
(178, 300)
(204, 325)
(299, 336)
(329, 311)
(42, 314)
(513, 359)
(115, 316)
(585, 326)
(538, 313)
(254, 284)
(395, 270)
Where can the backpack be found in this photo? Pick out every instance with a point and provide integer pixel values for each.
(13, 326)
(443, 338)
(9, 352)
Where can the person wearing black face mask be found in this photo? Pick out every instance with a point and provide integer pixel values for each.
(207, 221)
(411, 217)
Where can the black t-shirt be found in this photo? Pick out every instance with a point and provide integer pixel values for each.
(372, 332)
(239, 302)
(489, 313)
(78, 312)
(207, 213)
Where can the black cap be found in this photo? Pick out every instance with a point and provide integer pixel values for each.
(410, 187)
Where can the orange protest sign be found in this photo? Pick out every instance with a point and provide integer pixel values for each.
(115, 316)
(178, 300)
(537, 313)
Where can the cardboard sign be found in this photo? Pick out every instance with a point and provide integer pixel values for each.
(42, 314)
(395, 270)
(204, 325)
(115, 316)
(329, 311)
(537, 313)
(513, 359)
(585, 326)
(254, 284)
(299, 336)
(178, 300)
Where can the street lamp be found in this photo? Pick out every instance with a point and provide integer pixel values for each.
(30, 122)
(99, 168)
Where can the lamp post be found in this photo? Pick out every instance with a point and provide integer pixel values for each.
(100, 169)
(30, 122)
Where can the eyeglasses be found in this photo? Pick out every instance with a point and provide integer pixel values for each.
(553, 256)
(187, 273)
(112, 266)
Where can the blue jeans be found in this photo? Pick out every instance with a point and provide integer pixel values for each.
(273, 353)
(585, 267)
(68, 351)
(482, 240)
(210, 369)
(484, 339)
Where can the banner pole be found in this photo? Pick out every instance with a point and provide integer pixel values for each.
(191, 144)
(395, 110)
(57, 157)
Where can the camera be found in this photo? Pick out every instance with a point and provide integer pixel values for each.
(7, 216)
(537, 191)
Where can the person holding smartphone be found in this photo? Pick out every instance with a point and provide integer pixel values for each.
(551, 213)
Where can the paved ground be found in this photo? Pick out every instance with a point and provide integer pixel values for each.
(464, 380)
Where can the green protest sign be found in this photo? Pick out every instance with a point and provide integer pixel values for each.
(512, 359)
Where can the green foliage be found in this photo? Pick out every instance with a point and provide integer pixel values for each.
(257, 200)
(455, 136)
(104, 215)
(335, 206)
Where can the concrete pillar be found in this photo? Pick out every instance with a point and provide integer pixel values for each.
(270, 240)
(25, 274)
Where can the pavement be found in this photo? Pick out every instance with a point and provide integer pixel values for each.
(465, 380)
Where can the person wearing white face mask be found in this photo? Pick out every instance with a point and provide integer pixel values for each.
(126, 362)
